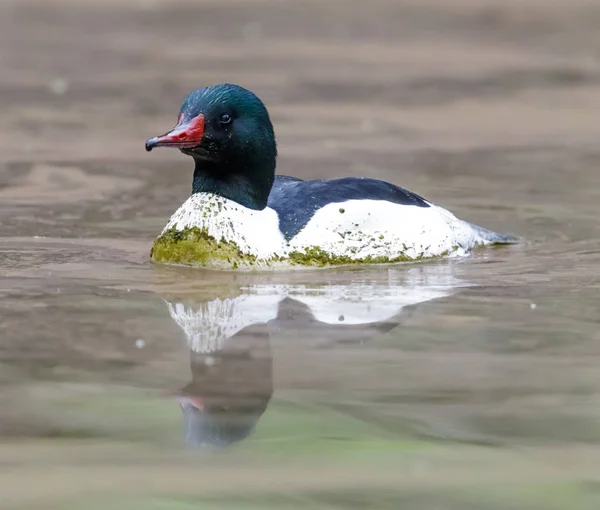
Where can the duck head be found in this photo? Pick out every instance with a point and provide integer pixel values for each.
(228, 132)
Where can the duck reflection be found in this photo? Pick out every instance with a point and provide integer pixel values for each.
(229, 338)
(231, 365)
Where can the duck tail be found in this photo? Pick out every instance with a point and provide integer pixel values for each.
(493, 237)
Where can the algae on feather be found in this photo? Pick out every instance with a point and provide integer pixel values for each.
(194, 246)
(315, 256)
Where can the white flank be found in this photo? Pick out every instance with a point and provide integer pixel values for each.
(358, 229)
(375, 228)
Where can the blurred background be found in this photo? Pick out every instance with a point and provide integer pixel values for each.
(469, 384)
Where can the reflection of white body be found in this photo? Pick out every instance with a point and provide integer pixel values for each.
(208, 325)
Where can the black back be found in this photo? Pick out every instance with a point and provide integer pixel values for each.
(296, 201)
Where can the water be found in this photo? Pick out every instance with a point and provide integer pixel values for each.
(468, 383)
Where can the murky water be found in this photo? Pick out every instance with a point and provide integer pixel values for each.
(469, 383)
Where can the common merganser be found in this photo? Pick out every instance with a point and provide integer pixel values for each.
(242, 216)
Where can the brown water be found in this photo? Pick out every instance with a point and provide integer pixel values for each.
(468, 384)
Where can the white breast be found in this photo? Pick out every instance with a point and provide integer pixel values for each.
(254, 232)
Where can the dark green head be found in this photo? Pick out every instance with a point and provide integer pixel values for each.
(228, 132)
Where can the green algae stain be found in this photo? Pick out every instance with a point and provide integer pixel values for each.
(194, 246)
(315, 256)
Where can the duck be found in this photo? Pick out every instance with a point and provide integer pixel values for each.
(241, 215)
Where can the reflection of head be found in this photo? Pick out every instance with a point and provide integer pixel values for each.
(230, 389)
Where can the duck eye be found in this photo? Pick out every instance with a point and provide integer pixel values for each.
(225, 118)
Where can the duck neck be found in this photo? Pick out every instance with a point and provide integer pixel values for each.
(248, 184)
